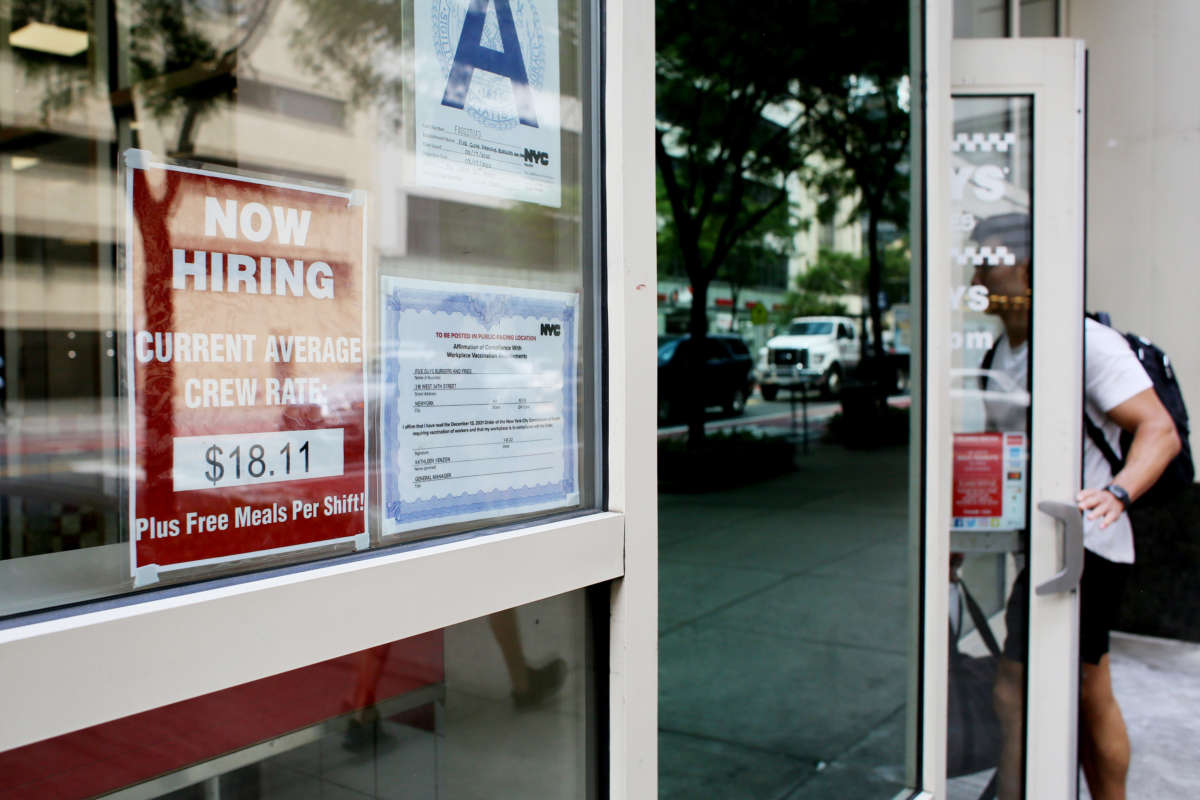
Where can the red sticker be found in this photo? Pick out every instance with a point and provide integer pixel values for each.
(978, 475)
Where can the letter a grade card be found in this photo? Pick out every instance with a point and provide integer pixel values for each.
(487, 98)
(245, 366)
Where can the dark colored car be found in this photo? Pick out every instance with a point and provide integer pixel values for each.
(727, 374)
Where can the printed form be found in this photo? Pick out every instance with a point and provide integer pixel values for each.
(479, 406)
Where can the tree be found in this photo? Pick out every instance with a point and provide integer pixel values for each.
(750, 262)
(67, 79)
(180, 68)
(808, 91)
(837, 274)
(860, 121)
(728, 138)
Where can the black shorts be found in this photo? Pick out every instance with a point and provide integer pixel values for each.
(1101, 590)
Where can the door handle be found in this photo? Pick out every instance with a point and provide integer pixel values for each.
(1072, 519)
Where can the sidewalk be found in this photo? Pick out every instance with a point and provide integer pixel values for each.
(785, 644)
(1157, 682)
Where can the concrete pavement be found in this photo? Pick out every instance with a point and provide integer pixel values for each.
(785, 644)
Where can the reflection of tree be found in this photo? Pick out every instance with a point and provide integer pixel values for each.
(863, 132)
(808, 90)
(179, 68)
(837, 274)
(155, 194)
(361, 42)
(67, 79)
(753, 260)
(183, 56)
(728, 138)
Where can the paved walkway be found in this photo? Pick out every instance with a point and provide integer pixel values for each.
(785, 644)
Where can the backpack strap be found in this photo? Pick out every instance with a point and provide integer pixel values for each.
(1115, 462)
(986, 364)
(981, 623)
(1097, 436)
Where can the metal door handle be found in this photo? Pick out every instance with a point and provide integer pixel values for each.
(1072, 519)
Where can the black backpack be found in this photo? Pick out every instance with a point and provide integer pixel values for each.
(1181, 471)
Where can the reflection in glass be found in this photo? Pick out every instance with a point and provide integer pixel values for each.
(991, 176)
(1039, 18)
(975, 19)
(311, 93)
(787, 643)
(494, 707)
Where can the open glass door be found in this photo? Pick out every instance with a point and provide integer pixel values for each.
(1015, 211)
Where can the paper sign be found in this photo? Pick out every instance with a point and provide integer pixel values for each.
(989, 481)
(245, 362)
(479, 404)
(487, 98)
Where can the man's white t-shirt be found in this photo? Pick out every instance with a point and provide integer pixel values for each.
(1112, 375)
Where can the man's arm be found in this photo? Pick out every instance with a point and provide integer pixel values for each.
(1155, 443)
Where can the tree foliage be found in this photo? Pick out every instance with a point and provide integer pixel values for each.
(184, 56)
(819, 290)
(66, 79)
(752, 101)
(729, 135)
(862, 123)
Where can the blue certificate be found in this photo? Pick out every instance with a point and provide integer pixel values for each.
(479, 415)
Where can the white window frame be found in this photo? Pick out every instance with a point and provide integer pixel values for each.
(74, 671)
(932, 119)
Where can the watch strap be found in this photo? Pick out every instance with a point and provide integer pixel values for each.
(1119, 493)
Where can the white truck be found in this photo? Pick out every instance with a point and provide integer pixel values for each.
(814, 351)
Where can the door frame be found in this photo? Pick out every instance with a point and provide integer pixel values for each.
(1052, 72)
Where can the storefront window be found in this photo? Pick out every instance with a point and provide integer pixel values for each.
(285, 281)
(494, 707)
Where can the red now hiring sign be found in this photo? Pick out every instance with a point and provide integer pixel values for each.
(245, 362)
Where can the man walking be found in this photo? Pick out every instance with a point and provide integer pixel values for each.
(1119, 396)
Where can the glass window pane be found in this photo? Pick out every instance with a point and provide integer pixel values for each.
(207, 345)
(1039, 17)
(975, 19)
(992, 182)
(499, 707)
(787, 562)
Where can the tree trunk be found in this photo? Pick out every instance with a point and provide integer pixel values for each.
(698, 328)
(874, 281)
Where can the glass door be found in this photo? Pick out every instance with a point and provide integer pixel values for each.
(1014, 353)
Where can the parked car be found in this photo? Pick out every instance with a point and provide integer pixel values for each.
(727, 374)
(815, 351)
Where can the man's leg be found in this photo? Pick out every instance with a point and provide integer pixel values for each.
(1103, 741)
(1008, 696)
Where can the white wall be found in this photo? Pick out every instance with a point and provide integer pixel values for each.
(1144, 171)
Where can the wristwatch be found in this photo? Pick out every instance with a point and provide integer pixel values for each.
(1119, 493)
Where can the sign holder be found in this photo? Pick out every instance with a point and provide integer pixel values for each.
(245, 369)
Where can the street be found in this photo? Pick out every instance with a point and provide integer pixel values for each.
(775, 416)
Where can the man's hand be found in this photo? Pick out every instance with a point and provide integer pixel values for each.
(1100, 504)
